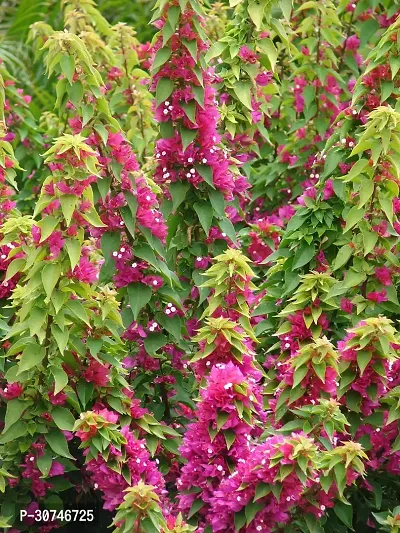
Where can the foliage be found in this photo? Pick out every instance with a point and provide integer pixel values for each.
(199, 240)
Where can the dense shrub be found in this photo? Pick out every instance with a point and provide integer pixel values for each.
(199, 267)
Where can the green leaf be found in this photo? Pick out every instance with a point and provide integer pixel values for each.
(78, 310)
(262, 490)
(68, 205)
(230, 437)
(331, 162)
(286, 7)
(353, 216)
(304, 254)
(47, 225)
(343, 256)
(205, 172)
(172, 324)
(387, 207)
(165, 87)
(366, 191)
(222, 417)
(188, 136)
(58, 443)
(299, 375)
(215, 50)
(74, 251)
(178, 191)
(32, 356)
(44, 462)
(161, 57)
(63, 418)
(17, 430)
(85, 391)
(267, 46)
(87, 113)
(242, 90)
(192, 47)
(356, 169)
(251, 510)
(50, 276)
(240, 520)
(363, 359)
(228, 228)
(93, 218)
(17, 265)
(196, 506)
(370, 239)
(139, 296)
(154, 341)
(218, 202)
(344, 513)
(205, 213)
(60, 378)
(256, 12)
(15, 408)
(67, 65)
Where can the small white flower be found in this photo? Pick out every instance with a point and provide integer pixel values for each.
(96, 486)
(134, 265)
(173, 309)
(122, 250)
(167, 311)
(204, 160)
(190, 160)
(155, 282)
(228, 386)
(323, 507)
(115, 254)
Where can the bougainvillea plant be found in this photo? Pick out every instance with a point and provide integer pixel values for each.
(199, 272)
